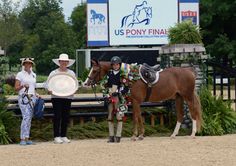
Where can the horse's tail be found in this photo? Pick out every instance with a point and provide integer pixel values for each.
(198, 111)
(123, 22)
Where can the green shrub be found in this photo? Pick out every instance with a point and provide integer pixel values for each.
(219, 118)
(184, 33)
(84, 75)
(41, 78)
(4, 138)
(8, 90)
(9, 124)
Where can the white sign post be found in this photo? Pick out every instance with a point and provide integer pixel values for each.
(1, 51)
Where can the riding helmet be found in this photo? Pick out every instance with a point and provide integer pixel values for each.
(115, 60)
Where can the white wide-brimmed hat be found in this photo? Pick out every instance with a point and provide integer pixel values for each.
(24, 60)
(64, 57)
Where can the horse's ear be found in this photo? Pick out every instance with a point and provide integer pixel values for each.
(94, 62)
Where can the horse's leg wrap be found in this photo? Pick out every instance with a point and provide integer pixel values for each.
(176, 131)
(194, 128)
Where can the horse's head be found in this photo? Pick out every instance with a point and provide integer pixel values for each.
(149, 12)
(92, 12)
(97, 72)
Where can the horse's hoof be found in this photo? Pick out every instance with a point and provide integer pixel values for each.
(172, 136)
(140, 138)
(193, 136)
(133, 138)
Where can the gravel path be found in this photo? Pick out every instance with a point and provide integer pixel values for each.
(152, 151)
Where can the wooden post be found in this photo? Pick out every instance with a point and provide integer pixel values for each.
(50, 120)
(161, 120)
(93, 119)
(153, 120)
(81, 120)
(71, 122)
(143, 119)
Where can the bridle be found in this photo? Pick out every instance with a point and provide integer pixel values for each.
(94, 78)
(93, 81)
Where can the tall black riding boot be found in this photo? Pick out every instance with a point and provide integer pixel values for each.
(118, 139)
(111, 139)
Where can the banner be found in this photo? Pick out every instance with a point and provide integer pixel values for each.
(141, 22)
(189, 10)
(97, 23)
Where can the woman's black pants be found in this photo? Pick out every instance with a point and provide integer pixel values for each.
(61, 109)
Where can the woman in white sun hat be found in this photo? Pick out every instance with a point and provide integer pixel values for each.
(61, 104)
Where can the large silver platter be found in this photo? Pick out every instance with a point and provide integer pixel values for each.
(62, 84)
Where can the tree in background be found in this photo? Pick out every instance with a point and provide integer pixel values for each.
(10, 29)
(9, 124)
(46, 34)
(218, 22)
(78, 22)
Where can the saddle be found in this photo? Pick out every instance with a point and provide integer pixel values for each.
(152, 68)
(149, 73)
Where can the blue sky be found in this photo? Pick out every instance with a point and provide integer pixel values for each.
(67, 5)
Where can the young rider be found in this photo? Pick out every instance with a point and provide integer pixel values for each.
(115, 88)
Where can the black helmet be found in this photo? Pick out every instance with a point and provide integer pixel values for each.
(115, 60)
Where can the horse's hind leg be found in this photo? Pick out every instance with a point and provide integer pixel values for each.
(194, 106)
(179, 103)
(194, 122)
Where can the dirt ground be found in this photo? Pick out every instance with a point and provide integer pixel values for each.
(152, 151)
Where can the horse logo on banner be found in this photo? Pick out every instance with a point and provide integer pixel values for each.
(97, 16)
(141, 14)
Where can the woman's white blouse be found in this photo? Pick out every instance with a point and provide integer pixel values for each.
(26, 78)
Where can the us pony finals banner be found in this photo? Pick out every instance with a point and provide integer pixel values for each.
(136, 22)
(141, 22)
(97, 23)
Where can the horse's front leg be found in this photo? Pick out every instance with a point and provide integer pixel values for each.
(141, 126)
(136, 110)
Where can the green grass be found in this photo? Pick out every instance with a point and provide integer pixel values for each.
(43, 130)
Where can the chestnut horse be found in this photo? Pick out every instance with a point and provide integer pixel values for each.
(174, 83)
